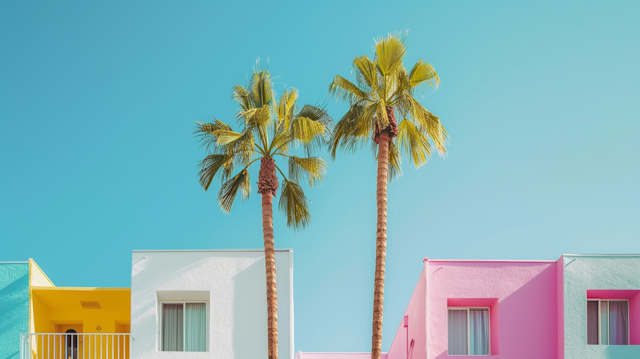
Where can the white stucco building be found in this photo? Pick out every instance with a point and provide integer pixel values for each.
(210, 301)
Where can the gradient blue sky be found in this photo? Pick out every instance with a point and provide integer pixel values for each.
(98, 102)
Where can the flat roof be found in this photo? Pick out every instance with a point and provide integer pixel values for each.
(493, 260)
(529, 260)
(84, 289)
(602, 255)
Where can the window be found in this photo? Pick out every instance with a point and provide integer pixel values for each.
(184, 327)
(468, 331)
(607, 322)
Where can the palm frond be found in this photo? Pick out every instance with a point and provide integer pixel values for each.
(353, 129)
(261, 88)
(319, 116)
(286, 107)
(257, 116)
(206, 133)
(305, 129)
(400, 85)
(423, 74)
(395, 169)
(210, 167)
(213, 126)
(229, 189)
(313, 168)
(382, 119)
(413, 141)
(242, 147)
(241, 96)
(294, 205)
(430, 122)
(344, 89)
(389, 53)
(226, 136)
(366, 73)
(281, 140)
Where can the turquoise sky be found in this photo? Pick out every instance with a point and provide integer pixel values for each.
(98, 102)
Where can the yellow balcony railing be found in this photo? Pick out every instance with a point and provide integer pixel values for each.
(74, 346)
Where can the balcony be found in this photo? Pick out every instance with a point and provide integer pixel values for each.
(74, 346)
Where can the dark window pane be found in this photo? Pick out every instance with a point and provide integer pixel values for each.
(592, 322)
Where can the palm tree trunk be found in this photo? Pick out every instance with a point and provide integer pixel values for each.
(270, 261)
(267, 186)
(381, 243)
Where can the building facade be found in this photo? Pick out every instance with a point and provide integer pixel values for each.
(601, 305)
(505, 309)
(207, 304)
(212, 304)
(74, 322)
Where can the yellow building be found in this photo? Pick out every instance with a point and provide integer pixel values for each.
(75, 323)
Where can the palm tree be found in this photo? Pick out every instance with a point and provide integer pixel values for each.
(268, 129)
(383, 89)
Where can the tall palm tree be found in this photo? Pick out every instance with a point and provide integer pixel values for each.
(383, 89)
(268, 129)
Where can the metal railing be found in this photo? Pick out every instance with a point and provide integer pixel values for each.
(74, 346)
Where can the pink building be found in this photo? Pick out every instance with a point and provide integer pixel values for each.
(506, 309)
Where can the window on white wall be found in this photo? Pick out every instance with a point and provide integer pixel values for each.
(468, 331)
(607, 322)
(184, 326)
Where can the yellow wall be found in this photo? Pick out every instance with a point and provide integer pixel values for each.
(57, 309)
(90, 319)
(41, 315)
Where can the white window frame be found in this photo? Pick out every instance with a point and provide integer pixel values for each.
(599, 300)
(183, 302)
(468, 309)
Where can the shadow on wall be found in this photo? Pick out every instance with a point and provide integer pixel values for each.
(250, 312)
(529, 318)
(527, 324)
(14, 311)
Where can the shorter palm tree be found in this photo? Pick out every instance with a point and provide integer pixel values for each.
(268, 129)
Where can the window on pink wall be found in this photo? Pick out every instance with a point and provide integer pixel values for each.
(613, 317)
(468, 331)
(472, 326)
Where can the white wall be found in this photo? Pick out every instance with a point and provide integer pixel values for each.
(236, 284)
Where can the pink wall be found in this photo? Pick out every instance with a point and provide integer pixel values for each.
(301, 355)
(634, 320)
(416, 327)
(522, 297)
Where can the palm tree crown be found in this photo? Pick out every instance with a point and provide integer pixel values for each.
(382, 85)
(268, 129)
